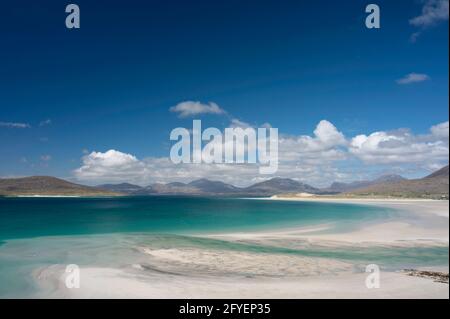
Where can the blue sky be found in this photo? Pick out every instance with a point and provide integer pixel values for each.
(110, 84)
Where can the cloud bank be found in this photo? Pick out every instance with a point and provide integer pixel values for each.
(402, 146)
(317, 159)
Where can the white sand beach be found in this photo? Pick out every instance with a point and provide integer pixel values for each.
(430, 230)
(213, 273)
(117, 283)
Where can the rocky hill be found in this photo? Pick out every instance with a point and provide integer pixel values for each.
(348, 187)
(47, 186)
(435, 185)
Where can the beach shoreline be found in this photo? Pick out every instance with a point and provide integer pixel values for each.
(119, 283)
(213, 273)
(434, 229)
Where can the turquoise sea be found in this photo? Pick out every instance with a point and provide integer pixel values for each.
(39, 232)
(37, 217)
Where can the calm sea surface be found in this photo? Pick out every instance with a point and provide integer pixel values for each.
(33, 217)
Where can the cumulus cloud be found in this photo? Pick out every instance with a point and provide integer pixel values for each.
(327, 135)
(303, 158)
(14, 125)
(192, 108)
(116, 166)
(111, 166)
(440, 131)
(46, 158)
(433, 12)
(402, 146)
(325, 145)
(413, 78)
(162, 170)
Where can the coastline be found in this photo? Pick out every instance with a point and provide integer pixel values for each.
(200, 272)
(432, 231)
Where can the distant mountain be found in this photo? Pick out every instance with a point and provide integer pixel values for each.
(278, 185)
(435, 185)
(125, 188)
(198, 187)
(46, 185)
(389, 179)
(442, 173)
(215, 188)
(208, 186)
(347, 187)
(171, 189)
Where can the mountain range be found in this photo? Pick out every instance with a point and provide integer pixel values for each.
(432, 186)
(207, 187)
(435, 185)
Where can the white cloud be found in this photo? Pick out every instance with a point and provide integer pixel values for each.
(328, 135)
(305, 158)
(317, 159)
(440, 131)
(161, 170)
(15, 125)
(238, 123)
(191, 108)
(413, 78)
(324, 146)
(433, 12)
(46, 158)
(111, 166)
(401, 146)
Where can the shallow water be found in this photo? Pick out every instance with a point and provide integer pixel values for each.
(21, 258)
(106, 232)
(36, 217)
